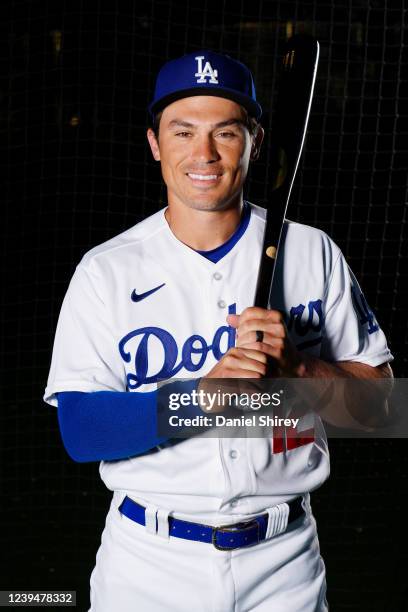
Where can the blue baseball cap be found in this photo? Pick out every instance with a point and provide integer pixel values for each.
(205, 73)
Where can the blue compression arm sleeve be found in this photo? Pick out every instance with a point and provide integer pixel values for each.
(109, 425)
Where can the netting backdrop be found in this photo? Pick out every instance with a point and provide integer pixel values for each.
(76, 78)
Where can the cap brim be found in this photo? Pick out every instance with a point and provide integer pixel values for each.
(254, 109)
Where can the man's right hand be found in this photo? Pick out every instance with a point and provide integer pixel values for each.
(237, 363)
(240, 363)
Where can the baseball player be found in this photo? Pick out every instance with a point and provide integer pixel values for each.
(205, 523)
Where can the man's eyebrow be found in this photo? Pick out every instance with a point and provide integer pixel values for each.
(186, 124)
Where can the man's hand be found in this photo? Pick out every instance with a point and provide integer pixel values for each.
(246, 362)
(250, 359)
(253, 359)
(276, 345)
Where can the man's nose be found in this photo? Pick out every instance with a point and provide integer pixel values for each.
(205, 149)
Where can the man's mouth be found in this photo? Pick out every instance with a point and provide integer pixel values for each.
(203, 178)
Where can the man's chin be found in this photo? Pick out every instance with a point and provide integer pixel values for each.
(208, 203)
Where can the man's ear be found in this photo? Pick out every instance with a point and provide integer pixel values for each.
(154, 145)
(257, 143)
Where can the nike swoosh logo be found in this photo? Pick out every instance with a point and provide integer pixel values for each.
(138, 297)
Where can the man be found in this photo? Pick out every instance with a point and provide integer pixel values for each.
(172, 298)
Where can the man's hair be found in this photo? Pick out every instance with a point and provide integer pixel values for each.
(250, 123)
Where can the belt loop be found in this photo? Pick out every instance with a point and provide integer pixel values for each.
(163, 527)
(277, 520)
(150, 519)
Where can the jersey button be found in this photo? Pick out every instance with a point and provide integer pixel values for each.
(217, 276)
(221, 303)
(233, 453)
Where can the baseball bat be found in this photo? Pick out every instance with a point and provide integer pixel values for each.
(295, 91)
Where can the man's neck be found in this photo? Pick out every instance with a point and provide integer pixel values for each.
(203, 230)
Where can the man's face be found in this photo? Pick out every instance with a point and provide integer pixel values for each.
(204, 149)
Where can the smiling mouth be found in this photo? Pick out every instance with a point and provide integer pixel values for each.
(204, 179)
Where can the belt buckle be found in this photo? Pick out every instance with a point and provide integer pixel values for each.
(231, 529)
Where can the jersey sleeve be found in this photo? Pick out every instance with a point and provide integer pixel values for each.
(351, 331)
(84, 355)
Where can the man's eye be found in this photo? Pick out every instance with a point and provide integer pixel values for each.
(183, 134)
(227, 134)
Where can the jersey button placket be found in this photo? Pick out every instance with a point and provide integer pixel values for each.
(238, 467)
(217, 288)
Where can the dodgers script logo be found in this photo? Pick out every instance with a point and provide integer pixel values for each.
(136, 346)
(205, 73)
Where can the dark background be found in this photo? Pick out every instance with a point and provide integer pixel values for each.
(76, 78)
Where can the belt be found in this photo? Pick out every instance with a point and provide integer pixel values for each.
(223, 537)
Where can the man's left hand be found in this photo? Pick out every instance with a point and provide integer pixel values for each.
(276, 344)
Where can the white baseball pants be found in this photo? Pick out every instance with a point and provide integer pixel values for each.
(137, 571)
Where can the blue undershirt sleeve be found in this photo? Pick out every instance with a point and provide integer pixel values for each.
(109, 425)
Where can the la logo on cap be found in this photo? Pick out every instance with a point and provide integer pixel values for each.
(205, 73)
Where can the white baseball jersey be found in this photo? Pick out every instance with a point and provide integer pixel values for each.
(175, 326)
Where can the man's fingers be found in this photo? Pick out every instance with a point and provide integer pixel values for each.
(245, 359)
(255, 353)
(233, 320)
(250, 341)
(253, 312)
(276, 330)
(276, 350)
